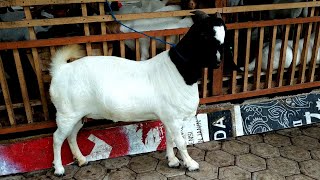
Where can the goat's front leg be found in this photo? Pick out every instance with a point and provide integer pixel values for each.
(173, 160)
(174, 127)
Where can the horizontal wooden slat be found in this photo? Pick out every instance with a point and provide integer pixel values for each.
(47, 2)
(97, 18)
(20, 105)
(86, 39)
(251, 94)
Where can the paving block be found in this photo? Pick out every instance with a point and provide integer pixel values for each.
(70, 171)
(299, 177)
(152, 175)
(295, 153)
(283, 166)
(94, 171)
(116, 163)
(313, 132)
(121, 174)
(209, 146)
(17, 177)
(311, 168)
(195, 153)
(219, 158)
(265, 150)
(315, 154)
(233, 172)
(306, 142)
(251, 139)
(144, 163)
(161, 155)
(291, 132)
(266, 174)
(235, 147)
(250, 162)
(164, 169)
(181, 177)
(277, 140)
(207, 171)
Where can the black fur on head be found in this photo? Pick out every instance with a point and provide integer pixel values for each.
(200, 47)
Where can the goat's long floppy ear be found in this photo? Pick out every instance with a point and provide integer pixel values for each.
(200, 14)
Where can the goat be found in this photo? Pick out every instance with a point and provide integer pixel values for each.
(155, 24)
(164, 87)
(20, 34)
(289, 54)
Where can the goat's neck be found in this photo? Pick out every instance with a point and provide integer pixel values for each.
(184, 56)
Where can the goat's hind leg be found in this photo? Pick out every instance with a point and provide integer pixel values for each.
(72, 140)
(65, 128)
(174, 127)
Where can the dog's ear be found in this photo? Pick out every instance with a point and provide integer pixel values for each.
(200, 14)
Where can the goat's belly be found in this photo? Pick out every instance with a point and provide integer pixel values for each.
(125, 114)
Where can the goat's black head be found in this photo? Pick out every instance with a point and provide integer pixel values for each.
(201, 47)
(207, 36)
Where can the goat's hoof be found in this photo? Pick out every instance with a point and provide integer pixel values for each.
(174, 163)
(59, 172)
(82, 162)
(193, 166)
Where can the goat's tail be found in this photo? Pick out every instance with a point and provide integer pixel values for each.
(64, 54)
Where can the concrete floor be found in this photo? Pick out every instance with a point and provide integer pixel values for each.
(290, 154)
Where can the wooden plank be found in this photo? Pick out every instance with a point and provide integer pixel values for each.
(252, 8)
(153, 47)
(246, 66)
(28, 127)
(257, 76)
(23, 86)
(261, 92)
(122, 49)
(47, 2)
(235, 59)
(292, 69)
(271, 58)
(103, 30)
(138, 52)
(204, 82)
(20, 105)
(283, 55)
(304, 54)
(168, 39)
(37, 67)
(6, 94)
(315, 52)
(86, 28)
(99, 18)
(86, 39)
(275, 22)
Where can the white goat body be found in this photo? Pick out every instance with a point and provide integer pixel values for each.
(289, 54)
(155, 24)
(144, 90)
(118, 89)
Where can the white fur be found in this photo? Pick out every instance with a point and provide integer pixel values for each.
(220, 33)
(155, 24)
(115, 88)
(289, 54)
